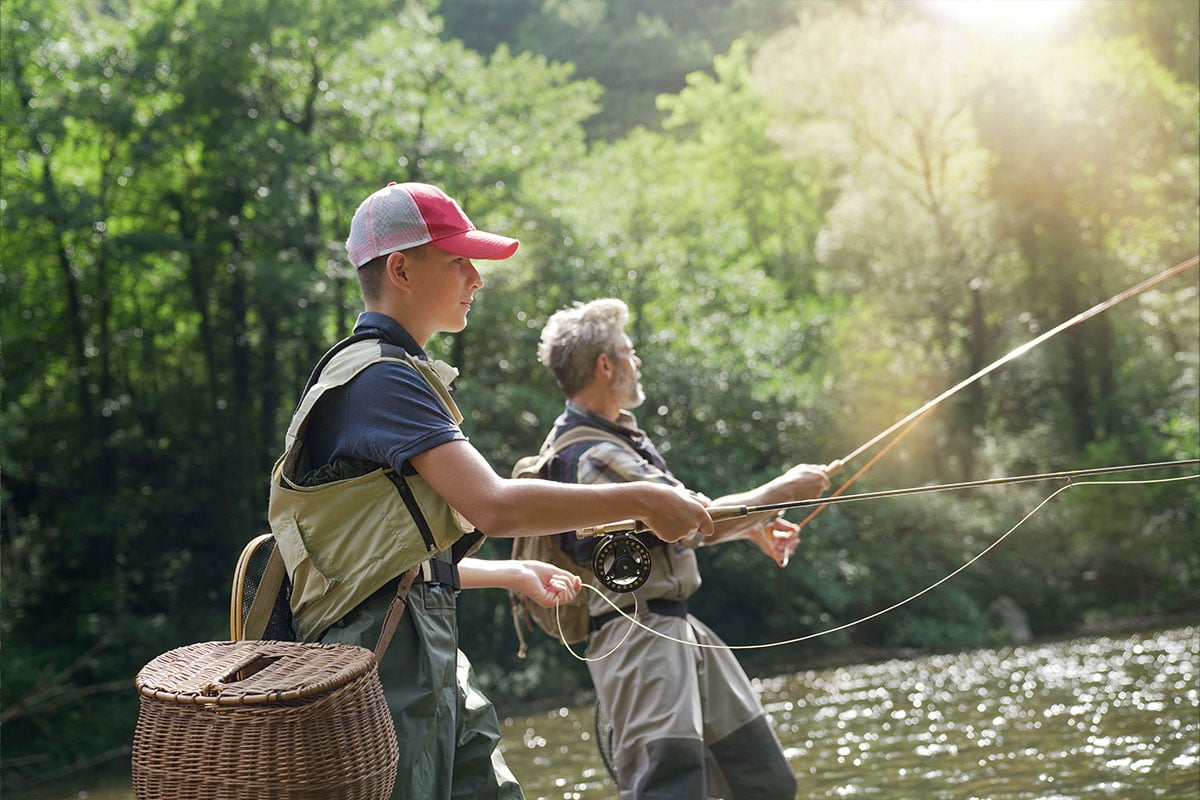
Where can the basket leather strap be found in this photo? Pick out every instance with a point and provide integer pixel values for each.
(264, 596)
(395, 611)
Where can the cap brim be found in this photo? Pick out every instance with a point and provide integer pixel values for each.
(478, 244)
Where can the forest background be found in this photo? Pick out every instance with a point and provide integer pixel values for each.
(822, 214)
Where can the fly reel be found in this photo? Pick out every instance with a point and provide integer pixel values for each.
(621, 562)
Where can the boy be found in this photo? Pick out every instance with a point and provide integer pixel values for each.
(377, 477)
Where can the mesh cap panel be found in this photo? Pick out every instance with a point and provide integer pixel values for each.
(403, 215)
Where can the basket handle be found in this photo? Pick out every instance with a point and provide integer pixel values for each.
(255, 622)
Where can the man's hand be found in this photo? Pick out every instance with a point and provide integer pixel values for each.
(777, 537)
(803, 482)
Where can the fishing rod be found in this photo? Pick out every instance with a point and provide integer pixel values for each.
(721, 513)
(628, 560)
(1017, 352)
(905, 425)
(635, 622)
(622, 562)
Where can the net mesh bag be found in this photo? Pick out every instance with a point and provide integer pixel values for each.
(263, 719)
(247, 579)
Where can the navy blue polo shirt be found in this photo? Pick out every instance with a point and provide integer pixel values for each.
(387, 414)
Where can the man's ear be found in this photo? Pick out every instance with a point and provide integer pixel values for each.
(603, 367)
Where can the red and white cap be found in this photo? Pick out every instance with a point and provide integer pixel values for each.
(403, 215)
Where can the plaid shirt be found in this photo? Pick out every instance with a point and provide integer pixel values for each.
(674, 574)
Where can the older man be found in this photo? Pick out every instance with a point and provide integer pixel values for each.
(687, 724)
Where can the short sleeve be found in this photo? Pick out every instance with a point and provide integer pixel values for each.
(392, 414)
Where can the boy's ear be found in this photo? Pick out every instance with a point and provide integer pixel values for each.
(395, 270)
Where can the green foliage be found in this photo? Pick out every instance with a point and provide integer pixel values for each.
(637, 51)
(820, 236)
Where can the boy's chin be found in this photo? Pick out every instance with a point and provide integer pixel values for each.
(455, 326)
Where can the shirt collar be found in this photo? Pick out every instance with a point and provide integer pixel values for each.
(625, 423)
(392, 330)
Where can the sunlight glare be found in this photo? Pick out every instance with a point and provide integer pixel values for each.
(1028, 17)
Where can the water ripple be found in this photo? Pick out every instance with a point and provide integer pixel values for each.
(1102, 717)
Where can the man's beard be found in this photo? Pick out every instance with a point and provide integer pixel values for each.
(628, 390)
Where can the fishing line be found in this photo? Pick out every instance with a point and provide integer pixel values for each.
(562, 637)
(1069, 485)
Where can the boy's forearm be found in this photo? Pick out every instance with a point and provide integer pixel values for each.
(478, 573)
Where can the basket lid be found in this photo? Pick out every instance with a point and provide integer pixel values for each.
(248, 672)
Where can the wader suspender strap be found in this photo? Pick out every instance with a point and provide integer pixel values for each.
(587, 432)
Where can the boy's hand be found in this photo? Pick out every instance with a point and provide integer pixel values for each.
(546, 584)
(676, 514)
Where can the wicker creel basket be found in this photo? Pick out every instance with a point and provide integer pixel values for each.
(262, 719)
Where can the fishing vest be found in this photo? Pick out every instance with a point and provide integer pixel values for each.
(345, 535)
(674, 571)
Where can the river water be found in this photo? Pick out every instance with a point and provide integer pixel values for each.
(1104, 717)
(1101, 717)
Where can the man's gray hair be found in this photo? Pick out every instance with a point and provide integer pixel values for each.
(573, 337)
